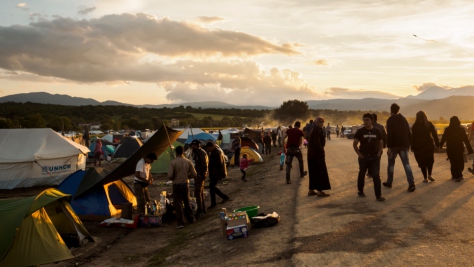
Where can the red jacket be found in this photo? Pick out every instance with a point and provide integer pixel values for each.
(244, 163)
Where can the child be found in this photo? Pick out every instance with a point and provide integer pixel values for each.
(244, 164)
(282, 159)
(305, 143)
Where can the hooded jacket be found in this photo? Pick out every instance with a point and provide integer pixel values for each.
(455, 137)
(398, 131)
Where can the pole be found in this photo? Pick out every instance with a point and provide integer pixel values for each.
(169, 142)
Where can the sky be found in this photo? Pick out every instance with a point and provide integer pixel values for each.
(239, 52)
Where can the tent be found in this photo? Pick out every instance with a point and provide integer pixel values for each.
(39, 229)
(106, 149)
(188, 132)
(31, 157)
(162, 164)
(200, 136)
(127, 148)
(100, 202)
(252, 154)
(245, 141)
(157, 144)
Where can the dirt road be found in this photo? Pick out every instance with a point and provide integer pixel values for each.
(429, 227)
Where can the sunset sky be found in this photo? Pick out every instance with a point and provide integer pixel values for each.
(240, 52)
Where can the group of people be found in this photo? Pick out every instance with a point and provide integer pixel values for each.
(271, 138)
(369, 142)
(206, 162)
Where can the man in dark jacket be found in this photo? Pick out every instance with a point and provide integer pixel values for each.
(381, 128)
(267, 140)
(217, 172)
(201, 162)
(398, 143)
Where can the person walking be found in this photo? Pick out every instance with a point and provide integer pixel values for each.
(180, 170)
(219, 138)
(294, 140)
(237, 146)
(86, 137)
(328, 132)
(423, 143)
(217, 172)
(342, 132)
(274, 138)
(369, 152)
(318, 172)
(244, 164)
(382, 130)
(98, 152)
(454, 136)
(201, 162)
(308, 128)
(142, 180)
(267, 140)
(398, 143)
(337, 130)
(279, 135)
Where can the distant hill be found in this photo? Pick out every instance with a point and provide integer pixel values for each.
(57, 99)
(436, 92)
(461, 106)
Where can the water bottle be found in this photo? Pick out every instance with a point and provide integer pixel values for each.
(154, 208)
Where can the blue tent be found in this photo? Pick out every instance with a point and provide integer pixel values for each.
(201, 137)
(99, 201)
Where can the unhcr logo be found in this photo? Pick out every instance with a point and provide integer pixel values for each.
(48, 170)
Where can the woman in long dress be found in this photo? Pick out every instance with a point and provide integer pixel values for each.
(318, 172)
(424, 139)
(455, 136)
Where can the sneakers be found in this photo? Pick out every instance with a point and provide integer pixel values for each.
(281, 168)
(425, 181)
(361, 194)
(431, 178)
(387, 185)
(179, 226)
(411, 188)
(304, 174)
(244, 180)
(380, 198)
(459, 179)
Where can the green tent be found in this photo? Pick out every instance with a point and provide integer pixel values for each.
(162, 164)
(39, 229)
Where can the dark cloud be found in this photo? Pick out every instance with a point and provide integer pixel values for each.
(83, 10)
(205, 19)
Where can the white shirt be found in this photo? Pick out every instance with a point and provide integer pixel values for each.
(144, 169)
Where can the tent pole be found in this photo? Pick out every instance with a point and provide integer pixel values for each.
(191, 129)
(169, 142)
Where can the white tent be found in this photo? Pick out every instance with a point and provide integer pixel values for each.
(30, 157)
(188, 131)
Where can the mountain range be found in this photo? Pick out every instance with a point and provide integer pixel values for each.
(435, 101)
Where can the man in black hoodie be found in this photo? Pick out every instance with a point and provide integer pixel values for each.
(398, 143)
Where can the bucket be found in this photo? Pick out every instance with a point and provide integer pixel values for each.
(252, 211)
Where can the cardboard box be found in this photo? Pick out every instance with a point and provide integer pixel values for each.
(237, 232)
(150, 221)
(235, 225)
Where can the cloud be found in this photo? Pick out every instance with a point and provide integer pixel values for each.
(321, 62)
(205, 19)
(428, 85)
(83, 10)
(23, 6)
(336, 92)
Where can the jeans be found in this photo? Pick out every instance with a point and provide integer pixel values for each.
(199, 193)
(268, 149)
(403, 152)
(180, 197)
(290, 154)
(371, 163)
(213, 190)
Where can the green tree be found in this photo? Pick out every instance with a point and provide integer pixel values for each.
(291, 110)
(33, 121)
